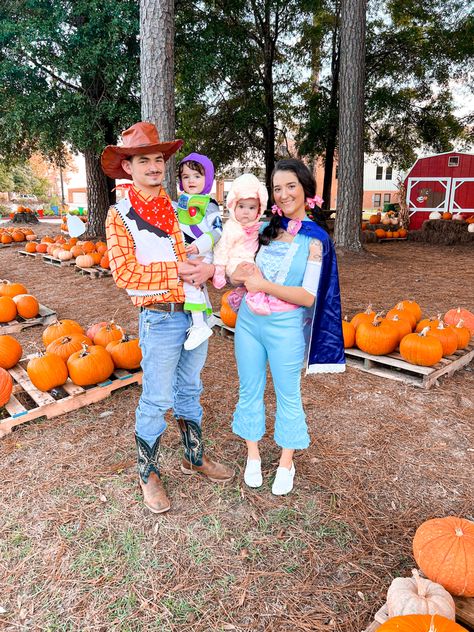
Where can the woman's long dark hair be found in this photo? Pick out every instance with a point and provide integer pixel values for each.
(306, 179)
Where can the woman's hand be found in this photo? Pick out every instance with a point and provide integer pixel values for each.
(195, 271)
(242, 272)
(255, 282)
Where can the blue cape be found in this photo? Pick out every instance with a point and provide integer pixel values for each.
(326, 344)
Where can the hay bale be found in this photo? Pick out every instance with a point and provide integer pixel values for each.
(446, 232)
(416, 235)
(369, 237)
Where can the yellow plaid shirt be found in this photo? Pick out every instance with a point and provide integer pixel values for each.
(129, 274)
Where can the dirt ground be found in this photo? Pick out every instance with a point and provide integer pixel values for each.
(79, 551)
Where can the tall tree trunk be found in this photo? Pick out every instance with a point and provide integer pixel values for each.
(269, 60)
(97, 194)
(351, 126)
(157, 74)
(331, 138)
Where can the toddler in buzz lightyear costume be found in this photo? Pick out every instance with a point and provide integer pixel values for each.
(201, 225)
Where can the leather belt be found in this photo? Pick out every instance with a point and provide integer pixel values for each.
(165, 307)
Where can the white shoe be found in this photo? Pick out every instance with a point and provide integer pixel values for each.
(253, 473)
(283, 483)
(196, 336)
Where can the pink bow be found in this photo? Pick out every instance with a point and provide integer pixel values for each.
(316, 200)
(276, 210)
(293, 226)
(251, 230)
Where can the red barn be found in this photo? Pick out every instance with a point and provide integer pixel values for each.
(443, 182)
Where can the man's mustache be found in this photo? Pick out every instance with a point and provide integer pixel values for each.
(154, 173)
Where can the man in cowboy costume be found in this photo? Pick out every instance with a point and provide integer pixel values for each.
(147, 258)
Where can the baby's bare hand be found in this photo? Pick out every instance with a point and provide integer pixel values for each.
(191, 249)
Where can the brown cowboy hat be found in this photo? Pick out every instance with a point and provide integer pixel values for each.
(141, 138)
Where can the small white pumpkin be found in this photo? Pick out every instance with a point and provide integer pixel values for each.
(386, 219)
(470, 228)
(416, 595)
(458, 216)
(435, 215)
(64, 255)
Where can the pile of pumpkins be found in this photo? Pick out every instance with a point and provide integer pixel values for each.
(456, 217)
(87, 254)
(391, 229)
(16, 235)
(443, 548)
(421, 341)
(86, 358)
(15, 301)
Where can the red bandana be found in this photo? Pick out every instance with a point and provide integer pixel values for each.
(157, 211)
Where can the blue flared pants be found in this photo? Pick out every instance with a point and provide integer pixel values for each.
(278, 339)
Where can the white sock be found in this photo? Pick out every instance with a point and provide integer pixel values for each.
(198, 318)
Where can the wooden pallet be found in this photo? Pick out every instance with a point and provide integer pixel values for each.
(464, 614)
(29, 254)
(14, 243)
(57, 262)
(385, 240)
(95, 272)
(45, 317)
(395, 367)
(66, 398)
(223, 330)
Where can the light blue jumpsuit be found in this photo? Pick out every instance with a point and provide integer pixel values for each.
(278, 339)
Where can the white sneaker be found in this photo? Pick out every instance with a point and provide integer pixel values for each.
(283, 483)
(253, 473)
(196, 336)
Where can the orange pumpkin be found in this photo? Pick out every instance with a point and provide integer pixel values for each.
(26, 305)
(31, 246)
(374, 219)
(61, 328)
(12, 289)
(6, 238)
(463, 335)
(65, 346)
(411, 306)
(421, 349)
(6, 386)
(401, 312)
(108, 333)
(380, 233)
(444, 550)
(126, 353)
(453, 316)
(363, 317)
(402, 232)
(428, 322)
(90, 366)
(10, 352)
(227, 314)
(42, 248)
(447, 338)
(377, 337)
(402, 325)
(348, 333)
(47, 371)
(420, 623)
(7, 309)
(447, 215)
(104, 262)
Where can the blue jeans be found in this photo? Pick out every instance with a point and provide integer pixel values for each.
(171, 375)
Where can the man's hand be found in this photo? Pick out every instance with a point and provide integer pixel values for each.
(195, 271)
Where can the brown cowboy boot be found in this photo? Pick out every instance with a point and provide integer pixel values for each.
(154, 494)
(194, 458)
